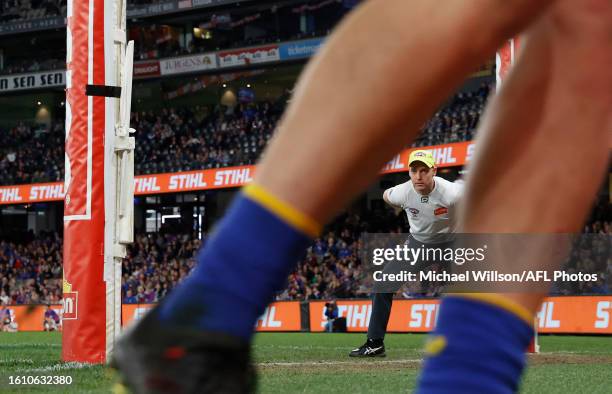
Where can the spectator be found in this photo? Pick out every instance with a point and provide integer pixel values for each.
(331, 313)
(129, 298)
(4, 298)
(7, 320)
(51, 320)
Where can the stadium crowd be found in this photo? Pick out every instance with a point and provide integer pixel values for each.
(202, 137)
(155, 264)
(32, 154)
(31, 271)
(188, 139)
(592, 256)
(457, 120)
(24, 10)
(32, 65)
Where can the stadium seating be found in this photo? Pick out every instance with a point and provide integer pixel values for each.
(202, 137)
(194, 140)
(31, 271)
(32, 154)
(155, 264)
(25, 10)
(457, 120)
(32, 65)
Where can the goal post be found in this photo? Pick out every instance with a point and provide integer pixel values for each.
(98, 183)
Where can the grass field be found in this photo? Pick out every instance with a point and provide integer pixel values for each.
(318, 363)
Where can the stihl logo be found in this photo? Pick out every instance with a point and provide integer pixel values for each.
(395, 164)
(187, 181)
(47, 192)
(268, 320)
(423, 316)
(146, 184)
(603, 314)
(10, 195)
(545, 316)
(233, 177)
(70, 305)
(357, 316)
(140, 312)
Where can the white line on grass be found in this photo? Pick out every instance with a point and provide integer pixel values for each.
(28, 345)
(59, 367)
(16, 360)
(326, 363)
(289, 347)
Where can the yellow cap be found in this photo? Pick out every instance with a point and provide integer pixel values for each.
(423, 156)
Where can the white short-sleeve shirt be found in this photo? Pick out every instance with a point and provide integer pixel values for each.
(432, 217)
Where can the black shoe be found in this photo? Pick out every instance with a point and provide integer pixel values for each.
(372, 348)
(151, 358)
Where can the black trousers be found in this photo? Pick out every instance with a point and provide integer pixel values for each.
(382, 302)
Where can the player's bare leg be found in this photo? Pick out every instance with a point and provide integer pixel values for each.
(342, 120)
(548, 128)
(565, 78)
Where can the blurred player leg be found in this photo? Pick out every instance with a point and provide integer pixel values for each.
(341, 119)
(549, 125)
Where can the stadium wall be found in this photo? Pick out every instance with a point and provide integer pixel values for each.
(557, 315)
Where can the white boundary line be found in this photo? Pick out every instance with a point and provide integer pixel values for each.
(16, 360)
(28, 345)
(331, 363)
(58, 367)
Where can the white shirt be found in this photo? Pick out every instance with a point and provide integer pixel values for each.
(431, 217)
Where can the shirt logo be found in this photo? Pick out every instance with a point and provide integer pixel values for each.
(440, 211)
(424, 199)
(413, 211)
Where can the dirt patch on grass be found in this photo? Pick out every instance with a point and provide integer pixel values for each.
(358, 365)
(567, 358)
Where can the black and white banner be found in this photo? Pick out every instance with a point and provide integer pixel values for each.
(9, 83)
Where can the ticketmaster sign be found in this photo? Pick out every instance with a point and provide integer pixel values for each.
(300, 49)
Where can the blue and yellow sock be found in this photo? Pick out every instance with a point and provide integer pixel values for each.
(243, 264)
(478, 346)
